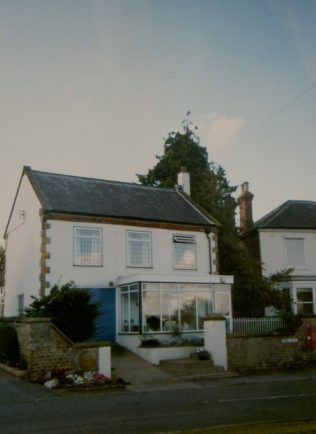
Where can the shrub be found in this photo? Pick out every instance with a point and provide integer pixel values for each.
(9, 346)
(293, 321)
(69, 308)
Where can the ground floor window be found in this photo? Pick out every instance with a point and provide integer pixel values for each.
(304, 301)
(167, 307)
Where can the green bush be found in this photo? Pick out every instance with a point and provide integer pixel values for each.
(292, 320)
(9, 346)
(69, 308)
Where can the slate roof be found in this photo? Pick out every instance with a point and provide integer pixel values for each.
(97, 197)
(293, 214)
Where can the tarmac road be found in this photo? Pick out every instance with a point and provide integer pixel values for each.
(30, 408)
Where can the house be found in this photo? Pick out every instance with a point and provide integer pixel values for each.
(148, 255)
(284, 239)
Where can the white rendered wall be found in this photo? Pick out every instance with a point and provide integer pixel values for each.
(215, 341)
(273, 251)
(114, 255)
(23, 250)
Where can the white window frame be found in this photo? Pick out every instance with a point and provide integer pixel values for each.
(180, 239)
(98, 261)
(288, 262)
(147, 262)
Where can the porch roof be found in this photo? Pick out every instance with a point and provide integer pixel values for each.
(204, 279)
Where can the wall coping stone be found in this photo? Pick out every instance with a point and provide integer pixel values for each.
(87, 344)
(215, 317)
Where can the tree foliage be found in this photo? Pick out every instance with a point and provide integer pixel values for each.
(212, 191)
(70, 310)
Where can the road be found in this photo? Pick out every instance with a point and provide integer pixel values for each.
(30, 408)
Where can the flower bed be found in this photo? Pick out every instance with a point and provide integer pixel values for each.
(63, 379)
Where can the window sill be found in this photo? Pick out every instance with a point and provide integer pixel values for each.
(140, 266)
(86, 265)
(186, 268)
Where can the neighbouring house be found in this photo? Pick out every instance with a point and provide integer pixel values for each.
(148, 255)
(284, 239)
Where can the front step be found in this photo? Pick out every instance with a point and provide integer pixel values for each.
(191, 368)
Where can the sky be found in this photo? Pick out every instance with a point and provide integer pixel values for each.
(93, 87)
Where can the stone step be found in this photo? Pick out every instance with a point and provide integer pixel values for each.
(194, 369)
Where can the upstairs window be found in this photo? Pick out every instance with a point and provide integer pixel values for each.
(184, 251)
(139, 249)
(295, 254)
(87, 246)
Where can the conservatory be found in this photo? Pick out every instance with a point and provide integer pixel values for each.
(149, 304)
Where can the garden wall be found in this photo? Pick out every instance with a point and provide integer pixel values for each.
(272, 352)
(44, 347)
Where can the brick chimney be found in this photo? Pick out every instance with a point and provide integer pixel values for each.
(184, 180)
(245, 207)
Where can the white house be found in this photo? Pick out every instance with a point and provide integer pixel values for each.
(285, 239)
(147, 254)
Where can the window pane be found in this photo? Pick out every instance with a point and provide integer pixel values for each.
(87, 246)
(139, 249)
(134, 311)
(169, 310)
(305, 308)
(151, 286)
(124, 312)
(222, 303)
(305, 294)
(204, 306)
(187, 304)
(151, 310)
(295, 252)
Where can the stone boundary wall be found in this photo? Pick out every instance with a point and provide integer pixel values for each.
(44, 347)
(272, 352)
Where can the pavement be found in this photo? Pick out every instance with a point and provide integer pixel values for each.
(141, 375)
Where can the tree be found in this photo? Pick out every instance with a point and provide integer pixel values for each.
(70, 310)
(211, 190)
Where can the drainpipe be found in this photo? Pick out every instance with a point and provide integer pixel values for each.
(210, 250)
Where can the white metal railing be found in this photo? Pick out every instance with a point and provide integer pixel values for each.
(255, 326)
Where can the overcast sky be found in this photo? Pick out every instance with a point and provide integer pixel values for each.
(91, 88)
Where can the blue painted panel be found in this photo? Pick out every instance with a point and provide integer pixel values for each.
(105, 322)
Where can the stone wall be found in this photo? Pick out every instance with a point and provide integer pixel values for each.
(44, 347)
(272, 352)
